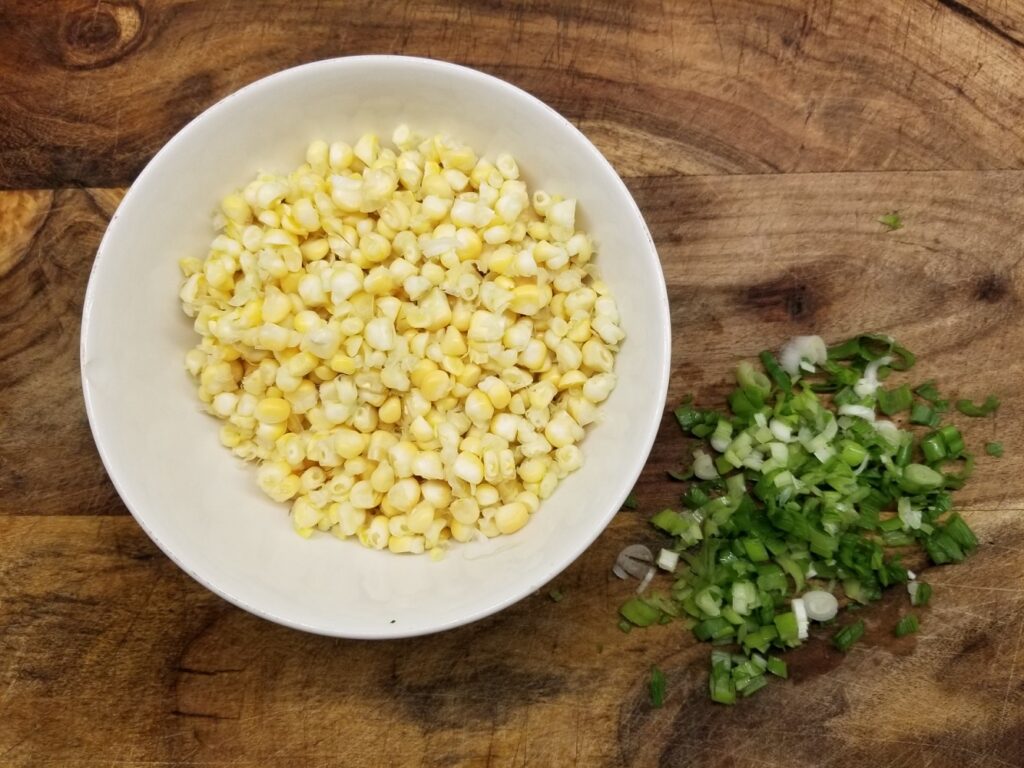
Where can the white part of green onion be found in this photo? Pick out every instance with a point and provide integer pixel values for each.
(867, 385)
(860, 411)
(800, 612)
(910, 517)
(782, 431)
(668, 560)
(811, 349)
(645, 581)
(820, 605)
(703, 466)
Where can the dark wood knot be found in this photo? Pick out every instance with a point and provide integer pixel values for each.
(96, 35)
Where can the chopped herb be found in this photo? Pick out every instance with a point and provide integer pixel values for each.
(967, 408)
(798, 480)
(556, 595)
(892, 401)
(908, 625)
(994, 449)
(631, 502)
(849, 635)
(927, 391)
(657, 687)
(680, 475)
(891, 221)
(921, 593)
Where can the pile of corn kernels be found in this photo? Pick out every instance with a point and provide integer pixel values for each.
(407, 342)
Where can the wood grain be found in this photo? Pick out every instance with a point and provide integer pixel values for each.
(150, 667)
(762, 140)
(724, 86)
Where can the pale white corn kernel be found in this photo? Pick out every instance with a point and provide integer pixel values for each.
(469, 468)
(486, 495)
(428, 465)
(597, 388)
(465, 511)
(437, 493)
(562, 430)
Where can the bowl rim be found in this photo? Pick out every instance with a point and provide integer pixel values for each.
(387, 632)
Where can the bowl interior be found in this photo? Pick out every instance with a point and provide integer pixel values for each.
(197, 501)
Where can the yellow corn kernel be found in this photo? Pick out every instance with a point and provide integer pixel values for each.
(511, 517)
(404, 494)
(382, 478)
(342, 363)
(497, 391)
(435, 385)
(273, 410)
(391, 411)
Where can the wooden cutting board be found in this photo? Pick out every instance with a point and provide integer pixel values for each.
(762, 142)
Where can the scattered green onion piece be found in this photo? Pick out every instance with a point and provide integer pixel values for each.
(967, 408)
(953, 440)
(849, 635)
(891, 221)
(656, 687)
(556, 595)
(927, 391)
(908, 625)
(891, 401)
(680, 475)
(994, 449)
(921, 594)
(777, 667)
(933, 447)
(630, 502)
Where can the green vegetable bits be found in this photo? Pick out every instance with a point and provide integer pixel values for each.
(800, 481)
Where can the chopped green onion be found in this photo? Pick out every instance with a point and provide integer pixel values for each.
(960, 532)
(786, 625)
(908, 625)
(921, 593)
(952, 439)
(781, 378)
(891, 221)
(556, 595)
(723, 689)
(752, 685)
(994, 449)
(639, 613)
(923, 414)
(927, 391)
(749, 378)
(777, 667)
(656, 687)
(891, 401)
(630, 502)
(792, 485)
(933, 447)
(967, 408)
(680, 475)
(919, 478)
(849, 635)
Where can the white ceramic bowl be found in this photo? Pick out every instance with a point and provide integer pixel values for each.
(198, 502)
